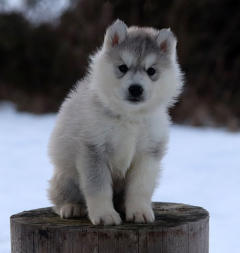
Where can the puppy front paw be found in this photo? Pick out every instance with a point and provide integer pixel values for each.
(104, 217)
(139, 213)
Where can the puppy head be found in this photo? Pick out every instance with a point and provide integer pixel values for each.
(136, 68)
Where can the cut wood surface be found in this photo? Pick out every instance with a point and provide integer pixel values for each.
(178, 228)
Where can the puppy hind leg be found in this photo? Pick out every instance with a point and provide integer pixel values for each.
(65, 193)
(71, 210)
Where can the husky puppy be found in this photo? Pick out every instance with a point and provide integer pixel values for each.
(112, 129)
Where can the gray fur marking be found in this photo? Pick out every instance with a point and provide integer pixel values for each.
(141, 44)
(105, 111)
(156, 149)
(97, 172)
(65, 190)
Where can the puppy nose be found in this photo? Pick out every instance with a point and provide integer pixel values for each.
(135, 90)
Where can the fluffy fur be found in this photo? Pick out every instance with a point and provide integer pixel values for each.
(105, 148)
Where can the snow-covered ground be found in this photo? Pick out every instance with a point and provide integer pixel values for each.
(202, 167)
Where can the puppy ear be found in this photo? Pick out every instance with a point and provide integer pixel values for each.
(115, 34)
(167, 41)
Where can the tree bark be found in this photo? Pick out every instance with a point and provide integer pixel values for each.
(178, 228)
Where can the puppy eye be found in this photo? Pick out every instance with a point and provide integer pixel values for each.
(151, 71)
(123, 68)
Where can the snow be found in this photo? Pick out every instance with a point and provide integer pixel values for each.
(200, 168)
(42, 11)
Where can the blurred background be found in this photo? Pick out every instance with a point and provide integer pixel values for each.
(44, 49)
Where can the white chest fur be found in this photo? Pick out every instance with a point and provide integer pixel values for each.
(123, 141)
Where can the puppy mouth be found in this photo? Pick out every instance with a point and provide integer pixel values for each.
(135, 100)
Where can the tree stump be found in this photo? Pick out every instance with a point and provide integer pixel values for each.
(178, 228)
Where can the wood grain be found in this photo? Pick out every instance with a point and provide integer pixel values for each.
(178, 228)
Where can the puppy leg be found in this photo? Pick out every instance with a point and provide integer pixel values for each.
(96, 185)
(140, 183)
